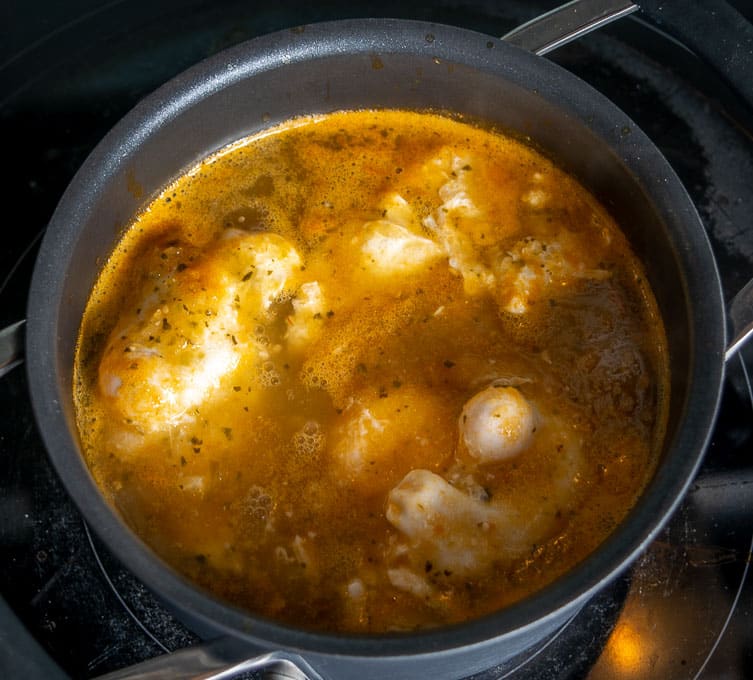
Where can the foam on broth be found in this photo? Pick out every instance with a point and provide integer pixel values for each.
(372, 371)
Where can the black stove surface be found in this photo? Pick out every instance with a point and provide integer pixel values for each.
(68, 72)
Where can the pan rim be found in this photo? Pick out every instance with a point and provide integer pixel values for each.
(318, 42)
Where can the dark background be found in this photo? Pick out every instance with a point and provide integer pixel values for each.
(70, 70)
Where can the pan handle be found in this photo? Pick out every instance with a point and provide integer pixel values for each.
(12, 346)
(566, 23)
(741, 318)
(219, 659)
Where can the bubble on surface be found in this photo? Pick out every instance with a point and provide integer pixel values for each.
(258, 503)
(269, 376)
(309, 440)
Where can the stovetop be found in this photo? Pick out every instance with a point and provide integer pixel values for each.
(69, 71)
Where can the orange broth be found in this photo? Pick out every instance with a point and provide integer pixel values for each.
(297, 325)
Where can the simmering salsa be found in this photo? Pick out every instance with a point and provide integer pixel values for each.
(372, 371)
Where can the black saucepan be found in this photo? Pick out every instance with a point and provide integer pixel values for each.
(372, 64)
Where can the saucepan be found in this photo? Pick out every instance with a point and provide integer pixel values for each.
(381, 63)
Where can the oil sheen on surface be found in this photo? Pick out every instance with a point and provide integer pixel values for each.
(372, 371)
